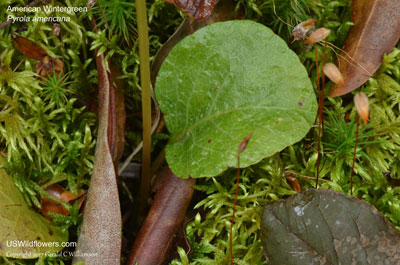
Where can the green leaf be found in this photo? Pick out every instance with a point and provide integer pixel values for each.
(222, 83)
(21, 225)
(326, 227)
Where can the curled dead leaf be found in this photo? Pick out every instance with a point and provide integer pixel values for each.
(47, 65)
(333, 73)
(101, 227)
(117, 115)
(55, 190)
(318, 35)
(63, 195)
(49, 206)
(28, 48)
(31, 50)
(375, 32)
(362, 106)
(163, 221)
(197, 10)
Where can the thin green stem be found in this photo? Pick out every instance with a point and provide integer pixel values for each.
(143, 33)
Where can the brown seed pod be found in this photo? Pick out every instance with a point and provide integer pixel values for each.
(318, 35)
(243, 144)
(333, 73)
(28, 48)
(56, 29)
(302, 30)
(292, 180)
(362, 106)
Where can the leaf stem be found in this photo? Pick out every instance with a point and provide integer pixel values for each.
(141, 14)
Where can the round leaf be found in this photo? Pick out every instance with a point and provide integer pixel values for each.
(222, 83)
(327, 227)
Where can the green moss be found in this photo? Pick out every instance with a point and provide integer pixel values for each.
(50, 139)
(208, 234)
(377, 154)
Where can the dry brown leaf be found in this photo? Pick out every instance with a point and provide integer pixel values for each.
(31, 50)
(63, 195)
(117, 116)
(49, 206)
(47, 65)
(101, 229)
(162, 222)
(197, 10)
(28, 48)
(376, 32)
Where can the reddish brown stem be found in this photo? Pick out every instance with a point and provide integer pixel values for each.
(321, 102)
(354, 159)
(112, 123)
(319, 123)
(234, 207)
(242, 147)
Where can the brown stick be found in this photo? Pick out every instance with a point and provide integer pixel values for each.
(8, 22)
(164, 218)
